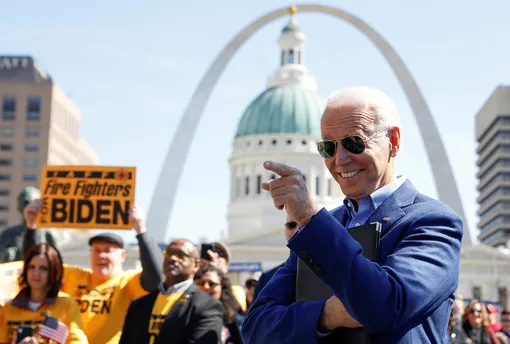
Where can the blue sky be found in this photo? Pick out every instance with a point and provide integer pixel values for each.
(132, 66)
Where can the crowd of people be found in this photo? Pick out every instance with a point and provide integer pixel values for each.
(478, 323)
(179, 296)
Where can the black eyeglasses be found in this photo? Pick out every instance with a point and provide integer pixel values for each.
(354, 144)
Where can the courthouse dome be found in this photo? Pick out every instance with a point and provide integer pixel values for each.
(292, 109)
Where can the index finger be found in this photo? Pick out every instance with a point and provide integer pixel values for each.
(280, 169)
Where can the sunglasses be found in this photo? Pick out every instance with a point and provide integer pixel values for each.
(353, 144)
(209, 284)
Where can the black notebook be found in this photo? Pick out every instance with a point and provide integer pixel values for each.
(309, 287)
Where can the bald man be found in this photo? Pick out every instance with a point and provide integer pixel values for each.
(179, 312)
(404, 298)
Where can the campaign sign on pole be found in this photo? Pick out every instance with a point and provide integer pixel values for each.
(86, 197)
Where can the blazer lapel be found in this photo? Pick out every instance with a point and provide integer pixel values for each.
(390, 211)
(341, 215)
(182, 304)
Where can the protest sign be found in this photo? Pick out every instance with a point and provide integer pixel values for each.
(9, 273)
(86, 197)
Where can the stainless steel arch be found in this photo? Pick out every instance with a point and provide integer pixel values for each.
(168, 182)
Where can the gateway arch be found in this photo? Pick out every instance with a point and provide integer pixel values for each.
(168, 181)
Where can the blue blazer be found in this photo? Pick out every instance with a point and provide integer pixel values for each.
(406, 297)
(264, 278)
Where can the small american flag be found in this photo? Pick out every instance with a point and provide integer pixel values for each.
(55, 330)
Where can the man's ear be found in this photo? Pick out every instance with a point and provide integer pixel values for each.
(394, 141)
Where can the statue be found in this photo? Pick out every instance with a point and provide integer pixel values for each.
(11, 238)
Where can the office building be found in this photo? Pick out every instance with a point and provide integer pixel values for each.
(39, 124)
(493, 136)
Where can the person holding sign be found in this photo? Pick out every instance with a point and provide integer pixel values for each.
(406, 295)
(105, 292)
(39, 299)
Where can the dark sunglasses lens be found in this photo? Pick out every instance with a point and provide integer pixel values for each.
(353, 144)
(327, 149)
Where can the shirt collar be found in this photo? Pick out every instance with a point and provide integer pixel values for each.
(176, 288)
(371, 202)
(22, 299)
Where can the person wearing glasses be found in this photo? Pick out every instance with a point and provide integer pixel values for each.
(403, 298)
(105, 291)
(213, 281)
(178, 312)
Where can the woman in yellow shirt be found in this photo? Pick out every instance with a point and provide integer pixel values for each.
(39, 298)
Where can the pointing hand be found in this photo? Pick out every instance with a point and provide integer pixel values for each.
(290, 192)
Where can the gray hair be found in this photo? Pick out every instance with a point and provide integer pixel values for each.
(377, 103)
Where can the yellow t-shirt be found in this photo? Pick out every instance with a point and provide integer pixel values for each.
(160, 310)
(103, 307)
(240, 296)
(64, 309)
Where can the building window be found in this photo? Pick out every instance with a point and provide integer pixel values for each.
(6, 132)
(34, 108)
(247, 186)
(9, 109)
(4, 207)
(503, 297)
(4, 176)
(289, 141)
(6, 147)
(32, 132)
(30, 162)
(31, 148)
(477, 293)
(29, 177)
(329, 187)
(291, 56)
(4, 192)
(282, 58)
(259, 184)
(5, 162)
(317, 185)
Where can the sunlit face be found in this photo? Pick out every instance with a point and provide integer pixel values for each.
(359, 174)
(181, 261)
(38, 272)
(210, 283)
(475, 316)
(106, 258)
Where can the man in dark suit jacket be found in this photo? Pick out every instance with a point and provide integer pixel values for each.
(290, 230)
(179, 312)
(407, 295)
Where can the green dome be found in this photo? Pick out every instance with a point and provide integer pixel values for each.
(290, 27)
(293, 109)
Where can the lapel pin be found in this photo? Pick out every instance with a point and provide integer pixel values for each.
(386, 218)
(183, 300)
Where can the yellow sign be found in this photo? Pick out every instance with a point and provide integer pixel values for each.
(9, 273)
(86, 197)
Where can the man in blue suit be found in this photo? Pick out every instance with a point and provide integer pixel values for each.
(404, 298)
(290, 230)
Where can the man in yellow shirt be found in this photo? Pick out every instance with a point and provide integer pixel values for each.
(105, 291)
